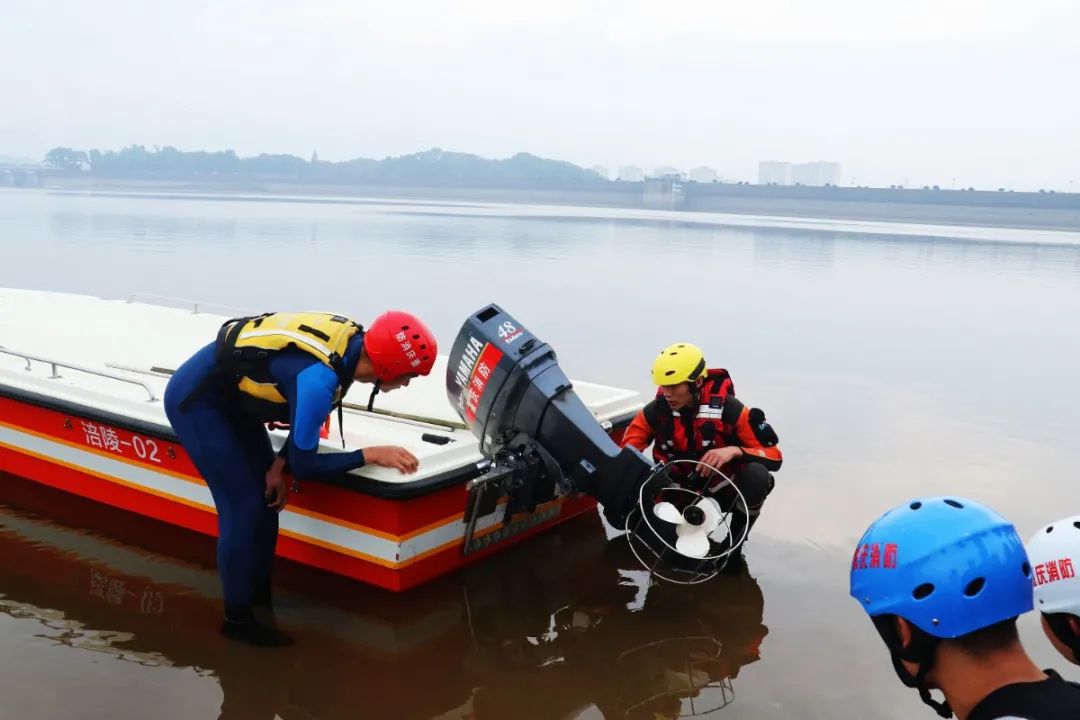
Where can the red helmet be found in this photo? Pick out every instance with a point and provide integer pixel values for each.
(398, 345)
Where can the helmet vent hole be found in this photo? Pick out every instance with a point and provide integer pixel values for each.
(1049, 529)
(954, 503)
(1027, 569)
(669, 372)
(1077, 524)
(916, 505)
(415, 337)
(974, 587)
(923, 591)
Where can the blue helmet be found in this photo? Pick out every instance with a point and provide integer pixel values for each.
(950, 566)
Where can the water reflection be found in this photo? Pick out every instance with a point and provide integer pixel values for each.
(566, 627)
(75, 634)
(144, 231)
(777, 248)
(602, 637)
(774, 248)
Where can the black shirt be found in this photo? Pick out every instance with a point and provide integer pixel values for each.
(1050, 699)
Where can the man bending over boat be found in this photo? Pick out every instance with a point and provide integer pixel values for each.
(288, 368)
(696, 416)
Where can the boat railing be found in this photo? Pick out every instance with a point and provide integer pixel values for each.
(55, 364)
(195, 305)
(350, 408)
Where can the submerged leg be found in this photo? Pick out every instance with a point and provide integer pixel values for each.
(212, 440)
(259, 456)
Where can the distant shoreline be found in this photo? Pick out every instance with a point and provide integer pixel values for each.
(706, 199)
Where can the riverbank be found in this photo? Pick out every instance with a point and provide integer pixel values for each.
(1034, 211)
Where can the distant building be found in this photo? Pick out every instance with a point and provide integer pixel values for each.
(664, 192)
(703, 174)
(631, 173)
(774, 173)
(601, 171)
(666, 171)
(816, 173)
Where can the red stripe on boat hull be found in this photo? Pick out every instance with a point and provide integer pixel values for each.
(395, 517)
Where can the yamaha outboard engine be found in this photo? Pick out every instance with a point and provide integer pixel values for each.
(542, 440)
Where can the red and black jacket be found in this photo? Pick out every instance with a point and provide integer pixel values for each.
(718, 420)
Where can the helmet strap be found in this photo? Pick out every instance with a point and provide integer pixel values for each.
(940, 707)
(921, 650)
(374, 392)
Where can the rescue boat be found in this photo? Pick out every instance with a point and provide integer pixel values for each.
(81, 386)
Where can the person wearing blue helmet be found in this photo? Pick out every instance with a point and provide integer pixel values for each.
(944, 580)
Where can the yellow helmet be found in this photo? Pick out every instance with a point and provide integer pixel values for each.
(678, 363)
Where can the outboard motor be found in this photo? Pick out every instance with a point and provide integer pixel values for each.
(543, 442)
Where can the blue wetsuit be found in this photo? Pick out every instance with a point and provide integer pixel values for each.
(232, 451)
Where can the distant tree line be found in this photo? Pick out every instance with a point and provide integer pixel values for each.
(432, 167)
(437, 168)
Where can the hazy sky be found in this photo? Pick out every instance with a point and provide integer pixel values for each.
(922, 91)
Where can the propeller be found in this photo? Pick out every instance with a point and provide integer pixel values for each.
(692, 524)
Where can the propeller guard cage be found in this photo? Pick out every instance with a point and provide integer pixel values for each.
(653, 544)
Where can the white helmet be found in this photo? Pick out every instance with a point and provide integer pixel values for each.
(1054, 552)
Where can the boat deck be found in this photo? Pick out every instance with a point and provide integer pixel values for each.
(114, 356)
(81, 412)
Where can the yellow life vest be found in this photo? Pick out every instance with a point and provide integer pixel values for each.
(245, 346)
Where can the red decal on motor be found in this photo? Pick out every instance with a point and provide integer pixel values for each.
(481, 373)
